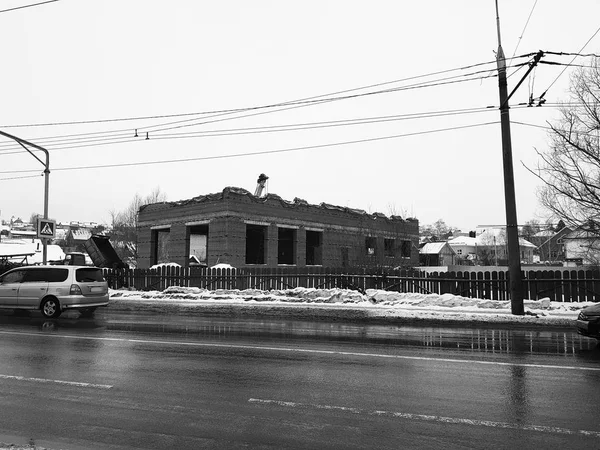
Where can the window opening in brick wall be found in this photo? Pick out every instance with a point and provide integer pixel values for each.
(255, 244)
(345, 258)
(405, 249)
(286, 246)
(160, 246)
(371, 245)
(198, 244)
(314, 248)
(389, 247)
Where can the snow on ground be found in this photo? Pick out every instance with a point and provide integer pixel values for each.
(376, 302)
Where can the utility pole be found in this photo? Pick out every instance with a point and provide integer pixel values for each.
(23, 143)
(512, 230)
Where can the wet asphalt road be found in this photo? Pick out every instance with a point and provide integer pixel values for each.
(122, 381)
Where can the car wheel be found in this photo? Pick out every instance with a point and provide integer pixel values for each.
(51, 308)
(87, 312)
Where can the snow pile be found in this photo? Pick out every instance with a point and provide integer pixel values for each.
(164, 265)
(371, 299)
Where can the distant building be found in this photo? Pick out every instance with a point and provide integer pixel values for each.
(244, 230)
(581, 247)
(490, 248)
(437, 254)
(550, 244)
(20, 233)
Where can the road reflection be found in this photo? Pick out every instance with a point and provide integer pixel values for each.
(565, 342)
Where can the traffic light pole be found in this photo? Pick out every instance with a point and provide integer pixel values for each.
(512, 230)
(23, 143)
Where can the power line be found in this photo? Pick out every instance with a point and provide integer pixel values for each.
(549, 128)
(263, 152)
(123, 134)
(119, 139)
(295, 104)
(524, 28)
(27, 6)
(567, 66)
(237, 110)
(583, 55)
(21, 177)
(313, 101)
(97, 141)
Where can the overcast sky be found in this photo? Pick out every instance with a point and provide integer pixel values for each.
(100, 60)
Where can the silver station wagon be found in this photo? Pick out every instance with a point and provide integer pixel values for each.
(53, 289)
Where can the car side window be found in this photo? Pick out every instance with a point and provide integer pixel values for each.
(13, 277)
(57, 275)
(44, 274)
(33, 275)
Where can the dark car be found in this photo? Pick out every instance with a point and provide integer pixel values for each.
(588, 321)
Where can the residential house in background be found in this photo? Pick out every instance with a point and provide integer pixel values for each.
(489, 247)
(581, 247)
(465, 248)
(550, 245)
(437, 254)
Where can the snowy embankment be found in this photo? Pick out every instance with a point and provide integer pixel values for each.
(348, 304)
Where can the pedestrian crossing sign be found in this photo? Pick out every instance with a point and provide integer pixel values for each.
(46, 228)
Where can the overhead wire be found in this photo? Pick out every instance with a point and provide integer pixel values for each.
(235, 110)
(262, 152)
(304, 102)
(524, 28)
(122, 135)
(567, 66)
(27, 6)
(92, 142)
(448, 80)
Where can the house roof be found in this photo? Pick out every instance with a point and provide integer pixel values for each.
(484, 239)
(582, 234)
(433, 248)
(463, 240)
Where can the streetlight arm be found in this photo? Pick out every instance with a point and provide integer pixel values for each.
(23, 143)
(31, 144)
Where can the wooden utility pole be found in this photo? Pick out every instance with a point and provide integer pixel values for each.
(512, 230)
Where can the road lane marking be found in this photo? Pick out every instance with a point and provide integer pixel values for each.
(428, 418)
(305, 350)
(47, 380)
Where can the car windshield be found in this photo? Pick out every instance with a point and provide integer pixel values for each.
(89, 275)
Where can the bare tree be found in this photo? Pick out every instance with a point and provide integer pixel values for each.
(124, 225)
(570, 167)
(530, 229)
(437, 230)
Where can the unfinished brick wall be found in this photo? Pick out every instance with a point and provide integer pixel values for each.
(229, 213)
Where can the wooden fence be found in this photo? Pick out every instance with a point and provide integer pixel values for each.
(558, 285)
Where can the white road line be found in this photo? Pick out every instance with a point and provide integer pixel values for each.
(428, 418)
(306, 350)
(47, 380)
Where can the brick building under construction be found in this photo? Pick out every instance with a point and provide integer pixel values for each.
(246, 230)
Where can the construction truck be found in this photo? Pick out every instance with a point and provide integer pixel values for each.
(102, 252)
